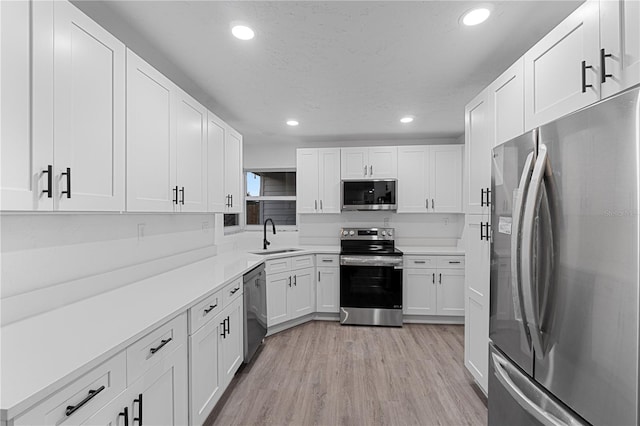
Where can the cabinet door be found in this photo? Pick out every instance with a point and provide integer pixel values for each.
(301, 299)
(215, 163)
(413, 179)
(22, 159)
(277, 293)
(191, 154)
(233, 171)
(451, 292)
(329, 180)
(328, 290)
(553, 71)
(352, 163)
(620, 37)
(205, 384)
(476, 331)
(307, 180)
(89, 113)
(231, 344)
(506, 104)
(419, 292)
(477, 154)
(383, 162)
(151, 166)
(164, 392)
(445, 178)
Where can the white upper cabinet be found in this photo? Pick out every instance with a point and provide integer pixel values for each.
(318, 180)
(77, 102)
(216, 130)
(232, 171)
(562, 71)
(191, 154)
(620, 38)
(506, 104)
(151, 138)
(430, 179)
(369, 163)
(22, 179)
(477, 154)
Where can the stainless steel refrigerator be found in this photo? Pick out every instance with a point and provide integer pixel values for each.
(564, 270)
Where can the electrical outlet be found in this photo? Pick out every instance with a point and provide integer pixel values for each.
(386, 222)
(205, 227)
(446, 221)
(140, 231)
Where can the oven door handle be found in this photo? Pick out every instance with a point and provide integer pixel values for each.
(396, 263)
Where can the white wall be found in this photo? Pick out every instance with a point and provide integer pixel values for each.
(49, 260)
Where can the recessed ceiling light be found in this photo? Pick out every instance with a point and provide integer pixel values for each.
(292, 123)
(406, 120)
(242, 32)
(476, 16)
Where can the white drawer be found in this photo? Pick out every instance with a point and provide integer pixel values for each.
(155, 346)
(300, 262)
(418, 262)
(231, 292)
(450, 262)
(276, 266)
(328, 260)
(204, 311)
(82, 398)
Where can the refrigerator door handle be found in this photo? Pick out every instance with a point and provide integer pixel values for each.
(528, 219)
(529, 397)
(515, 242)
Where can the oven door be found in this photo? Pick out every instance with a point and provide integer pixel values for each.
(371, 282)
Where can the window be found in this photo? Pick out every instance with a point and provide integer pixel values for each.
(272, 195)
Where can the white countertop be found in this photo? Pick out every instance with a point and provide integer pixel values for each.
(42, 353)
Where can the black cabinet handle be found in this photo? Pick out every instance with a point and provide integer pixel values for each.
(603, 66)
(584, 76)
(481, 231)
(439, 278)
(234, 291)
(488, 196)
(432, 205)
(139, 401)
(224, 329)
(68, 175)
(210, 308)
(433, 278)
(160, 346)
(454, 261)
(49, 172)
(175, 195)
(73, 408)
(481, 197)
(289, 281)
(295, 280)
(484, 235)
(318, 276)
(182, 198)
(231, 200)
(228, 325)
(125, 413)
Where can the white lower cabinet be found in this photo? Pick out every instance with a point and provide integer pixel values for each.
(328, 285)
(429, 290)
(291, 289)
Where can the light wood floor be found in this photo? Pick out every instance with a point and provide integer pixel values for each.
(322, 373)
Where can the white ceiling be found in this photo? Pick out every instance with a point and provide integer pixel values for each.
(344, 70)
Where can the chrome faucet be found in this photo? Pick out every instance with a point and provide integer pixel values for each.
(265, 243)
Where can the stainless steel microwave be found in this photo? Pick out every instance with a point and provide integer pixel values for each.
(378, 194)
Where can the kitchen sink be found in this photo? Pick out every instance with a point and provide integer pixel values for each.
(276, 251)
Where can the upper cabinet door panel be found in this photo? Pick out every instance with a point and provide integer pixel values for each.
(233, 170)
(191, 156)
(329, 180)
(89, 112)
(150, 138)
(413, 179)
(215, 163)
(478, 153)
(554, 83)
(506, 103)
(307, 180)
(445, 178)
(620, 38)
(354, 163)
(383, 162)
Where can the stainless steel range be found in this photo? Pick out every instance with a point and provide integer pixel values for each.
(370, 277)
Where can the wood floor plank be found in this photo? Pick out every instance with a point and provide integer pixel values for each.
(322, 373)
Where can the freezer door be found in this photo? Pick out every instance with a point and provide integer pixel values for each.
(512, 164)
(515, 399)
(584, 261)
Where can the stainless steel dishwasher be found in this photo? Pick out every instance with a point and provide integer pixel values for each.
(255, 310)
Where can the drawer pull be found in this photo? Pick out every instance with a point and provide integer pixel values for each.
(327, 260)
(92, 393)
(454, 261)
(210, 308)
(139, 401)
(234, 290)
(419, 261)
(160, 346)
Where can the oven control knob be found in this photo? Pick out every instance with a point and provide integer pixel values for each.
(390, 233)
(351, 232)
(384, 233)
